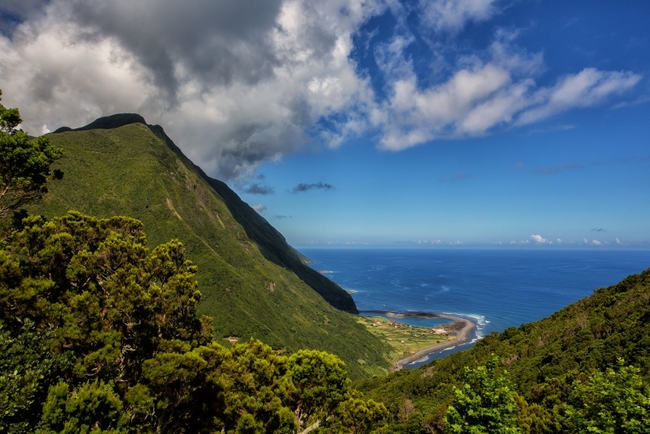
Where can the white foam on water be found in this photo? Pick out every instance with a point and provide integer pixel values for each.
(479, 320)
(420, 360)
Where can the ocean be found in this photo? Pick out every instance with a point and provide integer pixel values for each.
(496, 288)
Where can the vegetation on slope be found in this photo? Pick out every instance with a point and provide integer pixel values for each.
(546, 360)
(129, 170)
(100, 334)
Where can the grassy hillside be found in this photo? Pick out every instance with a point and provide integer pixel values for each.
(587, 335)
(135, 170)
(271, 243)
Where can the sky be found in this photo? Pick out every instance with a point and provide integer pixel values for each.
(431, 123)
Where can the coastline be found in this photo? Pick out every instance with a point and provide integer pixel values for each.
(463, 326)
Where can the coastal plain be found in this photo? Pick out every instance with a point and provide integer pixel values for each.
(410, 343)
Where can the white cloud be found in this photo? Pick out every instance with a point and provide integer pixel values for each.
(435, 242)
(587, 88)
(596, 243)
(236, 84)
(538, 239)
(56, 78)
(452, 15)
(482, 95)
(505, 52)
(259, 208)
(618, 241)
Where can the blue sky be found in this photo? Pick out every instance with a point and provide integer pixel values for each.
(374, 123)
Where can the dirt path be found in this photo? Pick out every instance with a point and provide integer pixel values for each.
(461, 335)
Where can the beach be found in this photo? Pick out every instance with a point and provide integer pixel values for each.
(462, 326)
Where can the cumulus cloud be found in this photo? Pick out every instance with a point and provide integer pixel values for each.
(498, 92)
(596, 243)
(302, 187)
(259, 208)
(233, 83)
(538, 239)
(236, 84)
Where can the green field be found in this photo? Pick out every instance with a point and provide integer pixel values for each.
(404, 339)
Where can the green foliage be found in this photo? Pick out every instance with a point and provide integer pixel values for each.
(24, 163)
(9, 118)
(135, 170)
(249, 380)
(99, 334)
(94, 408)
(27, 369)
(484, 403)
(616, 401)
(317, 385)
(99, 290)
(359, 416)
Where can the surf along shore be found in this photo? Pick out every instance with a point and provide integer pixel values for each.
(461, 326)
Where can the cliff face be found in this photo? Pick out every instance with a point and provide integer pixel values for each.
(253, 283)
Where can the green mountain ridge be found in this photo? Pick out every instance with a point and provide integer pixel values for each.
(253, 283)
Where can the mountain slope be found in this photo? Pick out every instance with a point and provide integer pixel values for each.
(272, 244)
(592, 333)
(125, 167)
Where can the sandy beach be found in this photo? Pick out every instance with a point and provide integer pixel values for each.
(463, 328)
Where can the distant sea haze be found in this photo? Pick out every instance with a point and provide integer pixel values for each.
(496, 288)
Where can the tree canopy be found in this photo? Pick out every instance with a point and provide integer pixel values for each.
(484, 403)
(24, 163)
(100, 334)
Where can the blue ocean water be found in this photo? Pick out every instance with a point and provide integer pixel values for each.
(495, 288)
